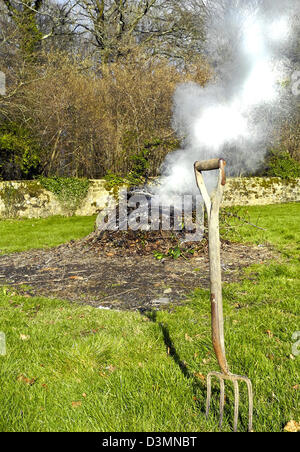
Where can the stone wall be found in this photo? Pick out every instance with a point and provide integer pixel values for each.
(28, 199)
(259, 191)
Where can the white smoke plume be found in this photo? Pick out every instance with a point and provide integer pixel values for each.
(235, 114)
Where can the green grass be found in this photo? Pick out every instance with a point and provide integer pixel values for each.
(281, 224)
(137, 373)
(25, 234)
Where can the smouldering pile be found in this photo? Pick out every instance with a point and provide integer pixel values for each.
(117, 239)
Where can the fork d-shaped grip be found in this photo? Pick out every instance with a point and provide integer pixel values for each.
(213, 164)
(208, 165)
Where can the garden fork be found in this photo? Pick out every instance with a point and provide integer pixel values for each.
(212, 204)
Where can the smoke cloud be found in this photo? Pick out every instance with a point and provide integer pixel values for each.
(234, 115)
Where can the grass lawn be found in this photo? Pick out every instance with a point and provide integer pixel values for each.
(25, 234)
(75, 368)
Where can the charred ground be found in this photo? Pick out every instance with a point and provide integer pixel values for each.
(119, 271)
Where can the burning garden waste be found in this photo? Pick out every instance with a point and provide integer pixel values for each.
(140, 222)
(233, 116)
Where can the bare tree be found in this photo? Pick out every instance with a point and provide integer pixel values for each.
(169, 27)
(35, 21)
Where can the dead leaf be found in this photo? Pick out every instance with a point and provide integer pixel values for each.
(23, 337)
(296, 387)
(292, 427)
(76, 404)
(200, 376)
(79, 278)
(84, 394)
(28, 381)
(269, 333)
(188, 338)
(14, 304)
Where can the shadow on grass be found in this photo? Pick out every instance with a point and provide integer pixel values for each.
(198, 386)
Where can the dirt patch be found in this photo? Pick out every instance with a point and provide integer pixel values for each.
(85, 274)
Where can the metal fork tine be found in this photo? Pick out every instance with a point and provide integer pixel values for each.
(222, 400)
(236, 403)
(250, 396)
(208, 394)
(235, 380)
